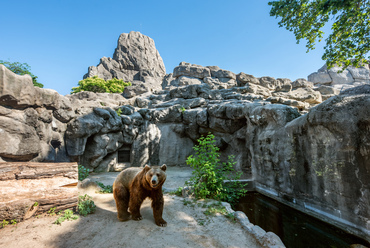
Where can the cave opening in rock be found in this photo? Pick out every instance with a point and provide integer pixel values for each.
(124, 154)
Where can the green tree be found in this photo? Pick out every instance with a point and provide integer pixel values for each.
(21, 69)
(96, 84)
(349, 41)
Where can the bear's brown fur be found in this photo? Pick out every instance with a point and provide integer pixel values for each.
(135, 184)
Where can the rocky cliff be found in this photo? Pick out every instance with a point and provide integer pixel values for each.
(310, 154)
(135, 59)
(341, 79)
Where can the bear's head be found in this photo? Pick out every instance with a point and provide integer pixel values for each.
(155, 175)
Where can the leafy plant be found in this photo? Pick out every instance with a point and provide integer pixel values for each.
(82, 172)
(68, 215)
(85, 205)
(182, 109)
(119, 112)
(14, 222)
(96, 84)
(4, 223)
(209, 174)
(21, 69)
(51, 211)
(35, 204)
(348, 44)
(215, 208)
(177, 192)
(105, 188)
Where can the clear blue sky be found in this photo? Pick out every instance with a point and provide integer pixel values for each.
(61, 39)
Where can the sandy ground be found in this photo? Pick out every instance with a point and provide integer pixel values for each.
(187, 225)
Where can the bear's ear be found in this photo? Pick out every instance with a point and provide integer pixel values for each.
(147, 167)
(164, 167)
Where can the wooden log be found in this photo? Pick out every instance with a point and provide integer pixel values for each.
(28, 188)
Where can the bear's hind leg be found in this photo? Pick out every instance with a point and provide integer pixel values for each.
(122, 197)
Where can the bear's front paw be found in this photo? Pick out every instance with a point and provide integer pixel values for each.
(161, 222)
(139, 217)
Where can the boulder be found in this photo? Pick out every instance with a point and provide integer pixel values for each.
(220, 83)
(216, 72)
(136, 89)
(320, 78)
(341, 78)
(301, 94)
(16, 91)
(191, 70)
(284, 86)
(19, 142)
(301, 83)
(243, 79)
(186, 80)
(269, 82)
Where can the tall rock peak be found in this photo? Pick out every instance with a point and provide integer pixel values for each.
(135, 58)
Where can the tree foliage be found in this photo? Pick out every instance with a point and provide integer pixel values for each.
(99, 85)
(349, 42)
(21, 69)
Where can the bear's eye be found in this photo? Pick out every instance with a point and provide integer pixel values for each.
(158, 174)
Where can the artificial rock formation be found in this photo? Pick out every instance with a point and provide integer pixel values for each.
(302, 143)
(135, 59)
(341, 79)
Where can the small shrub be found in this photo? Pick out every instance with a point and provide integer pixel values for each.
(182, 109)
(14, 222)
(209, 175)
(99, 85)
(68, 215)
(213, 209)
(119, 112)
(4, 223)
(85, 205)
(105, 188)
(82, 172)
(51, 211)
(177, 192)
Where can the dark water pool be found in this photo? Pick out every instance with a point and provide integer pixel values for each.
(295, 228)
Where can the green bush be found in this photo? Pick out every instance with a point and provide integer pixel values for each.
(209, 175)
(99, 85)
(68, 215)
(85, 205)
(82, 172)
(21, 69)
(4, 223)
(105, 188)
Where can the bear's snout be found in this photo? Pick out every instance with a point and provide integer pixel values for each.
(154, 180)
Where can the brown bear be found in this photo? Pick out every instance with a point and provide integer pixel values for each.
(135, 184)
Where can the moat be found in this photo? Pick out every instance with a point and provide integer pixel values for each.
(296, 229)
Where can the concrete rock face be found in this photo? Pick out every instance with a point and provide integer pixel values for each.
(303, 143)
(341, 79)
(324, 160)
(135, 59)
